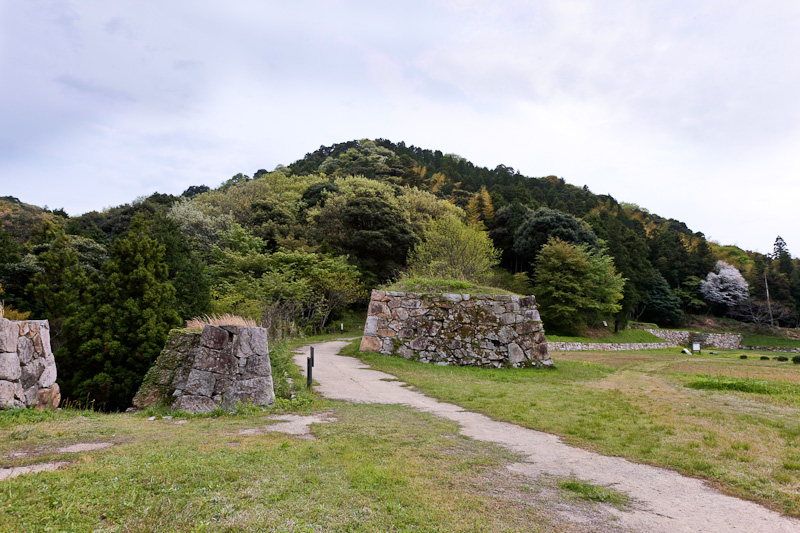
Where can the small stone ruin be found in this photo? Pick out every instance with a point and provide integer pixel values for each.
(457, 329)
(27, 365)
(218, 367)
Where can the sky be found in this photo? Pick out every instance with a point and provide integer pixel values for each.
(687, 108)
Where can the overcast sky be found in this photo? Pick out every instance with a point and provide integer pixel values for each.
(687, 108)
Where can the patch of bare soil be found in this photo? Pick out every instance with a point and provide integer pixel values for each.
(8, 473)
(297, 425)
(85, 447)
(667, 501)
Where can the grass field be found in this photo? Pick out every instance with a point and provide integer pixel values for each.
(658, 407)
(377, 468)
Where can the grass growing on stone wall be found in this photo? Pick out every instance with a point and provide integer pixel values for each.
(638, 405)
(376, 468)
(442, 285)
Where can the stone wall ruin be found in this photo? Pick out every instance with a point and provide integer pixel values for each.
(27, 366)
(218, 367)
(456, 329)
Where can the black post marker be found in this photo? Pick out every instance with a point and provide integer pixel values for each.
(310, 366)
(312, 356)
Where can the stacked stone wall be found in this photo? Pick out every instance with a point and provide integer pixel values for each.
(607, 346)
(220, 367)
(27, 366)
(456, 329)
(729, 341)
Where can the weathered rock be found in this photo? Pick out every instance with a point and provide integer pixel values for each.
(196, 404)
(515, 353)
(259, 391)
(9, 367)
(25, 350)
(49, 398)
(48, 376)
(31, 372)
(7, 389)
(9, 333)
(200, 372)
(214, 337)
(200, 383)
(370, 344)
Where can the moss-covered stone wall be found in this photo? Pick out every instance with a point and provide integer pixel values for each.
(456, 329)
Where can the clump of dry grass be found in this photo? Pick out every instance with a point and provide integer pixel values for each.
(227, 319)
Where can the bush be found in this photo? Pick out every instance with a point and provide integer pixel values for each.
(782, 358)
(764, 358)
(742, 357)
(796, 359)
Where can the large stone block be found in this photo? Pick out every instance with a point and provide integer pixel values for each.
(25, 350)
(370, 344)
(196, 404)
(49, 398)
(48, 376)
(9, 367)
(256, 390)
(251, 341)
(220, 361)
(214, 337)
(9, 333)
(200, 383)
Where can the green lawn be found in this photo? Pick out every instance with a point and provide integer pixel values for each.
(754, 339)
(642, 406)
(376, 468)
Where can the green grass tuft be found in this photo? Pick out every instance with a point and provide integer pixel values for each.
(595, 493)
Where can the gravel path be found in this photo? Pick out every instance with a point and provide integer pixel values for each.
(666, 501)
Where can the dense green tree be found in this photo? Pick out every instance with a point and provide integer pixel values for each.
(545, 224)
(124, 325)
(662, 304)
(186, 271)
(372, 231)
(575, 287)
(504, 226)
(450, 249)
(55, 288)
(626, 242)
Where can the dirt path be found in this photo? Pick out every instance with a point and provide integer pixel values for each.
(667, 502)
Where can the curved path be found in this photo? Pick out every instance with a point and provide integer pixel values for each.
(666, 501)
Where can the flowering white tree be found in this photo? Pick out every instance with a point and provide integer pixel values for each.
(725, 286)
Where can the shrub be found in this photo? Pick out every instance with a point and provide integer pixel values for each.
(742, 357)
(764, 358)
(796, 359)
(782, 358)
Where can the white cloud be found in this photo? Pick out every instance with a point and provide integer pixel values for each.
(688, 109)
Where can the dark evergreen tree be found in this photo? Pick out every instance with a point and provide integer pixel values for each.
(124, 324)
(547, 223)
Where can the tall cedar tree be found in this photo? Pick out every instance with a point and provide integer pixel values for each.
(124, 327)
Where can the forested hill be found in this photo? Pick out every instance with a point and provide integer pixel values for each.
(296, 247)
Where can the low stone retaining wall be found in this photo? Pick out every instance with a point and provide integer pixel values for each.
(456, 329)
(27, 366)
(198, 372)
(607, 347)
(728, 341)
